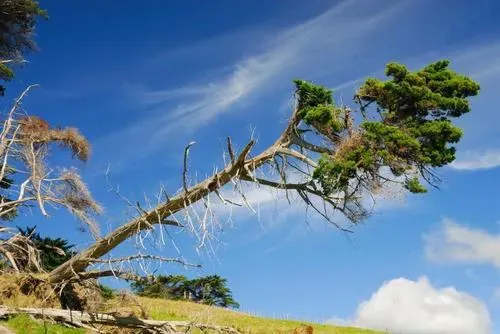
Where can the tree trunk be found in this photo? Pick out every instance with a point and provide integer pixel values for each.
(101, 247)
(240, 167)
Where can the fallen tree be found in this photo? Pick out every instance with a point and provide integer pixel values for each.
(93, 321)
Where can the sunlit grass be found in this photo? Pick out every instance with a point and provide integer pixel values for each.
(161, 309)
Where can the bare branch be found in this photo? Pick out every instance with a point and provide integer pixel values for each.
(230, 150)
(146, 257)
(299, 141)
(170, 222)
(94, 274)
(282, 185)
(184, 172)
(297, 155)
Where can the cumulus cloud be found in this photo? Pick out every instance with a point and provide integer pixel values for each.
(475, 160)
(416, 307)
(453, 242)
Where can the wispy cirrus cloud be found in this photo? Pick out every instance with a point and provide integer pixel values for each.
(475, 160)
(330, 37)
(457, 243)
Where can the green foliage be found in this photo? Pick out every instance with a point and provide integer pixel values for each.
(18, 20)
(53, 251)
(106, 292)
(5, 184)
(412, 131)
(310, 95)
(6, 74)
(210, 290)
(334, 174)
(168, 287)
(413, 185)
(316, 108)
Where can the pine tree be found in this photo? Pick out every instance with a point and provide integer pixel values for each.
(53, 251)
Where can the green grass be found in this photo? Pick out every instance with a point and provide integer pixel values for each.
(161, 309)
(23, 324)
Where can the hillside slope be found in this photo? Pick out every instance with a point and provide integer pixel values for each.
(161, 309)
(179, 310)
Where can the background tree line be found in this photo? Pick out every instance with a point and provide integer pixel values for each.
(210, 290)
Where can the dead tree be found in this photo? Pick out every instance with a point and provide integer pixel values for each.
(27, 180)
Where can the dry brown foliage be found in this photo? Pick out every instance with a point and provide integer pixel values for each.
(26, 290)
(34, 130)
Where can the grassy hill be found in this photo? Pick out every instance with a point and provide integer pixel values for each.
(179, 310)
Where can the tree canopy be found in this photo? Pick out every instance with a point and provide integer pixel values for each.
(408, 129)
(210, 290)
(17, 26)
(52, 251)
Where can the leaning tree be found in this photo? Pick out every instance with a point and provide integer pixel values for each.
(397, 132)
(333, 156)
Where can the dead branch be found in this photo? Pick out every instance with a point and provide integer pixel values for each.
(24, 148)
(235, 170)
(146, 257)
(230, 150)
(79, 262)
(20, 252)
(299, 141)
(184, 172)
(94, 274)
(92, 320)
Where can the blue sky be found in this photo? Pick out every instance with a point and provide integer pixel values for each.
(143, 81)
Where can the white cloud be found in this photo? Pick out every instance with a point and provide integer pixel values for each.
(458, 243)
(416, 307)
(474, 160)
